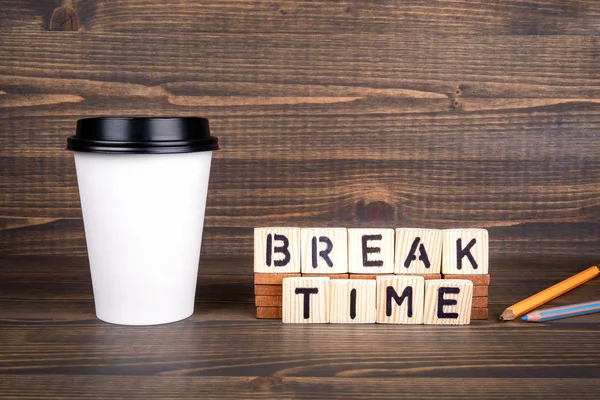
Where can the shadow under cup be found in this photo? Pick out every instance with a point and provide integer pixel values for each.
(143, 184)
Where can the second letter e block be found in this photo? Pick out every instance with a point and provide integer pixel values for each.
(305, 300)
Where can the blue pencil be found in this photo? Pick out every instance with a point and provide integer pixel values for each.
(549, 314)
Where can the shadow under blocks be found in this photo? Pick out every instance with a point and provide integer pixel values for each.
(384, 276)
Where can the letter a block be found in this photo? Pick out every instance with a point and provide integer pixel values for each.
(400, 299)
(418, 251)
(277, 250)
(305, 300)
(448, 302)
(371, 251)
(324, 250)
(353, 301)
(465, 252)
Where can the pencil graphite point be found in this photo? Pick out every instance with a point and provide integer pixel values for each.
(524, 318)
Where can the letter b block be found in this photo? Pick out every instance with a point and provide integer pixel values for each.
(465, 251)
(305, 300)
(448, 302)
(400, 299)
(277, 250)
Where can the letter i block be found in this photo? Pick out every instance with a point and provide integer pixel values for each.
(400, 299)
(465, 251)
(418, 251)
(277, 250)
(371, 251)
(305, 300)
(448, 301)
(353, 301)
(324, 250)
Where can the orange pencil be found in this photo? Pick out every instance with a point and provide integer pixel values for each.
(546, 295)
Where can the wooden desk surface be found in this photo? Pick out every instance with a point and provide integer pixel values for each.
(54, 347)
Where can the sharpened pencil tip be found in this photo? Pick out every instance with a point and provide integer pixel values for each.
(524, 318)
(501, 318)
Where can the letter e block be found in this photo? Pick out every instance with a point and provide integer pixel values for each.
(418, 251)
(400, 299)
(371, 251)
(324, 250)
(465, 252)
(353, 301)
(448, 301)
(277, 250)
(305, 300)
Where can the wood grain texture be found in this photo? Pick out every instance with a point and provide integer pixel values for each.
(466, 251)
(306, 307)
(424, 113)
(330, 276)
(379, 246)
(424, 258)
(267, 290)
(479, 302)
(364, 310)
(479, 314)
(324, 250)
(477, 280)
(400, 299)
(272, 301)
(480, 290)
(272, 279)
(277, 250)
(53, 346)
(457, 306)
(268, 312)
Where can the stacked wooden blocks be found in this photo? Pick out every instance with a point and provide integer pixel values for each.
(341, 275)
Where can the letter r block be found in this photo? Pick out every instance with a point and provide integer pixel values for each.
(277, 250)
(465, 252)
(448, 301)
(324, 250)
(400, 299)
(305, 300)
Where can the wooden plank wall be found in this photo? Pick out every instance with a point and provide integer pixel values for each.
(415, 113)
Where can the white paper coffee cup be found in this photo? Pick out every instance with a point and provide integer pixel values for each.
(143, 213)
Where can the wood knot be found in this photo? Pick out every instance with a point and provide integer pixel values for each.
(266, 382)
(65, 18)
(375, 211)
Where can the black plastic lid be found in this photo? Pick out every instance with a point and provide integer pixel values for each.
(145, 135)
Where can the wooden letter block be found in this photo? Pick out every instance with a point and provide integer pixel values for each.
(324, 250)
(418, 251)
(448, 302)
(371, 251)
(277, 250)
(400, 299)
(305, 300)
(465, 251)
(353, 301)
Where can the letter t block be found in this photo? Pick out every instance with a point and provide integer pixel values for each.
(305, 300)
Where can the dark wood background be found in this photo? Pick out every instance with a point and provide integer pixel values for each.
(419, 113)
(337, 113)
